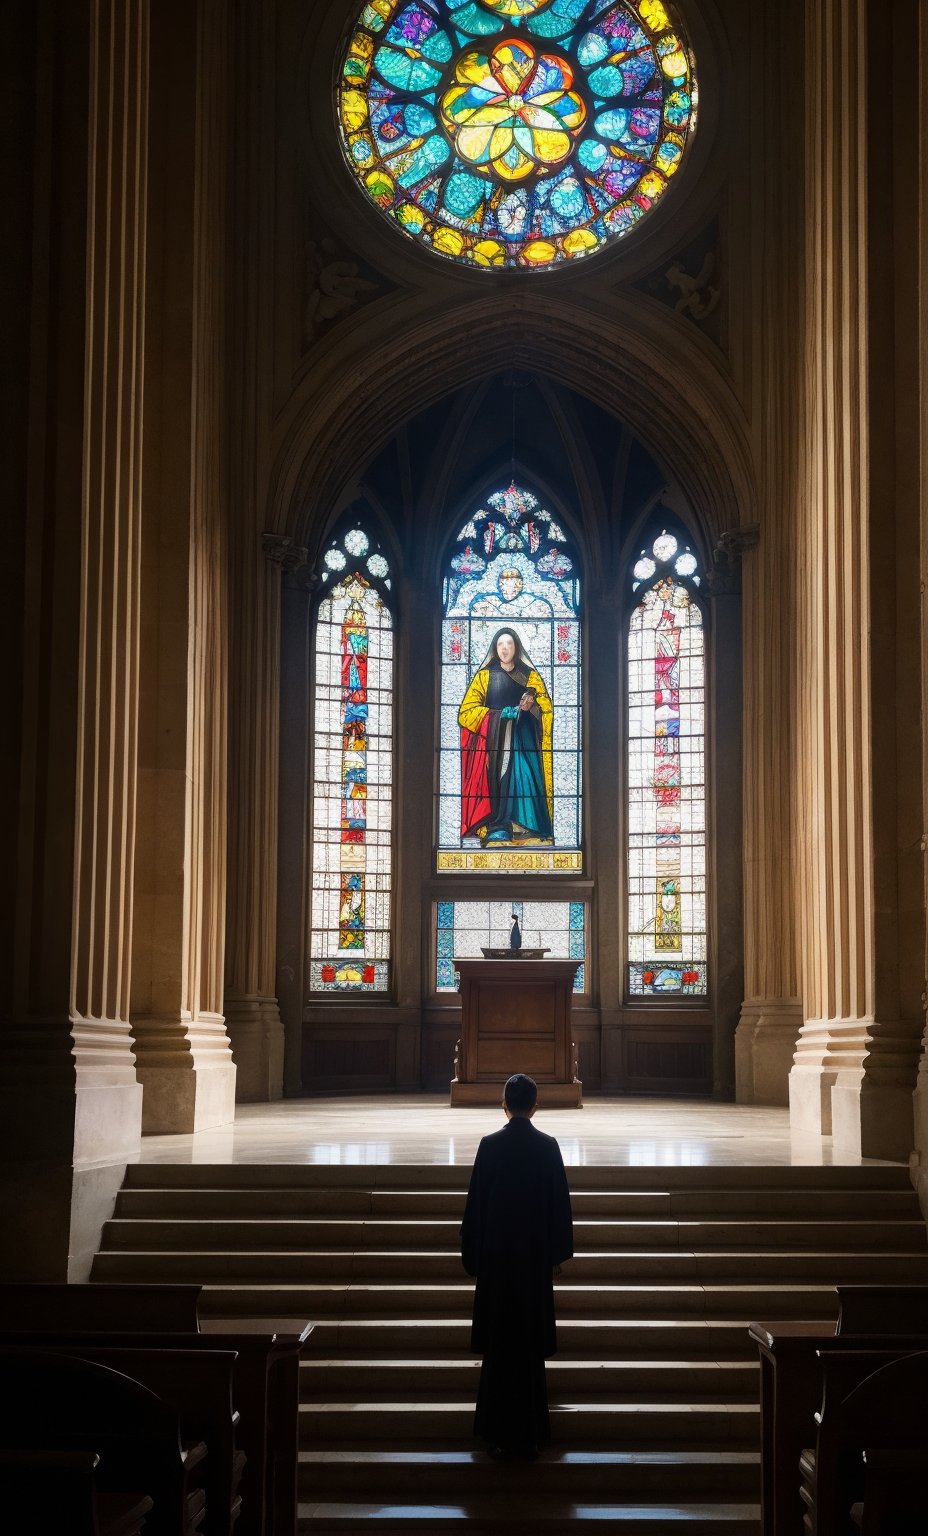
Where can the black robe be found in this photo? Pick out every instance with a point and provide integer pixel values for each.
(517, 1226)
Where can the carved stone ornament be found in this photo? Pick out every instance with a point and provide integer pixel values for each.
(691, 285)
(735, 542)
(333, 286)
(725, 575)
(698, 295)
(280, 549)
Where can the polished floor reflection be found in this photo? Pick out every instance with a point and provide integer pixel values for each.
(422, 1128)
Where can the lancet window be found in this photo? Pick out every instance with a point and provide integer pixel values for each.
(666, 784)
(509, 760)
(352, 781)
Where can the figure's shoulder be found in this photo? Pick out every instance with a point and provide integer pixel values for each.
(548, 1144)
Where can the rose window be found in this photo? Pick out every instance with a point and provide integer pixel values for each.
(516, 133)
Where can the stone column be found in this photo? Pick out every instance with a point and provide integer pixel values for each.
(771, 1015)
(252, 1013)
(70, 1106)
(251, 1008)
(919, 396)
(182, 1050)
(856, 1058)
(293, 865)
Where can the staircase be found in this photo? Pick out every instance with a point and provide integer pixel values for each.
(654, 1390)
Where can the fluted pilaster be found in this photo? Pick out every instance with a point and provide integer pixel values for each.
(920, 53)
(257, 563)
(70, 1105)
(855, 1061)
(771, 1015)
(182, 1049)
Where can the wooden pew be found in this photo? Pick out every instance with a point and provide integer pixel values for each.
(882, 1309)
(895, 1484)
(26, 1308)
(266, 1378)
(870, 1403)
(197, 1384)
(59, 1491)
(791, 1381)
(59, 1402)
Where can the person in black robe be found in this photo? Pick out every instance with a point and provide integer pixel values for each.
(517, 1230)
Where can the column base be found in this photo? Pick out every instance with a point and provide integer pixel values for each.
(186, 1069)
(70, 1120)
(853, 1079)
(765, 1041)
(918, 1163)
(256, 1035)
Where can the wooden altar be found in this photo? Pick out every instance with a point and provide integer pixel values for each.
(515, 1017)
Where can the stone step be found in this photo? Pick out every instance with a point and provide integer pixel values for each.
(492, 1515)
(309, 1234)
(431, 1176)
(588, 1380)
(767, 1303)
(372, 1267)
(615, 1204)
(638, 1425)
(579, 1338)
(446, 1472)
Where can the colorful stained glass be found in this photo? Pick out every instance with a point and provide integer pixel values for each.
(352, 782)
(463, 927)
(516, 133)
(509, 763)
(666, 780)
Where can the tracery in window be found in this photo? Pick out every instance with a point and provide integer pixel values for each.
(509, 762)
(516, 133)
(352, 789)
(666, 775)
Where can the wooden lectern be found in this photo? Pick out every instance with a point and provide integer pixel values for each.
(515, 1017)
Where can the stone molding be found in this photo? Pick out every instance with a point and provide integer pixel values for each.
(765, 1043)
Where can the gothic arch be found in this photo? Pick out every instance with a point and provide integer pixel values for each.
(664, 384)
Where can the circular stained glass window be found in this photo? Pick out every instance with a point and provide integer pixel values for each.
(516, 133)
(356, 542)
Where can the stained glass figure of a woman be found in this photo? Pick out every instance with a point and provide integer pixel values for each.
(506, 759)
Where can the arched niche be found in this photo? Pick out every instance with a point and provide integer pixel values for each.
(420, 473)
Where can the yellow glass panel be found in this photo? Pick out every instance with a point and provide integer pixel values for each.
(354, 110)
(488, 253)
(578, 241)
(449, 241)
(653, 15)
(539, 251)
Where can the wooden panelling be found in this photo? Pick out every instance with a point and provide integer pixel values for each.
(348, 1061)
(662, 1063)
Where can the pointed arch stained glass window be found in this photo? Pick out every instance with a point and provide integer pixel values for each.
(352, 772)
(509, 764)
(516, 133)
(666, 775)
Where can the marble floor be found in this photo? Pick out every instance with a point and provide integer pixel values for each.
(422, 1128)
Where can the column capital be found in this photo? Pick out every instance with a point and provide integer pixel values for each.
(280, 549)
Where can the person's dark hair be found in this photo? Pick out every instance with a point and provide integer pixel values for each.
(520, 1093)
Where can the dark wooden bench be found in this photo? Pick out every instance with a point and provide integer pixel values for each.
(791, 1381)
(58, 1402)
(266, 1377)
(100, 1308)
(895, 1485)
(60, 1491)
(196, 1383)
(872, 1401)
